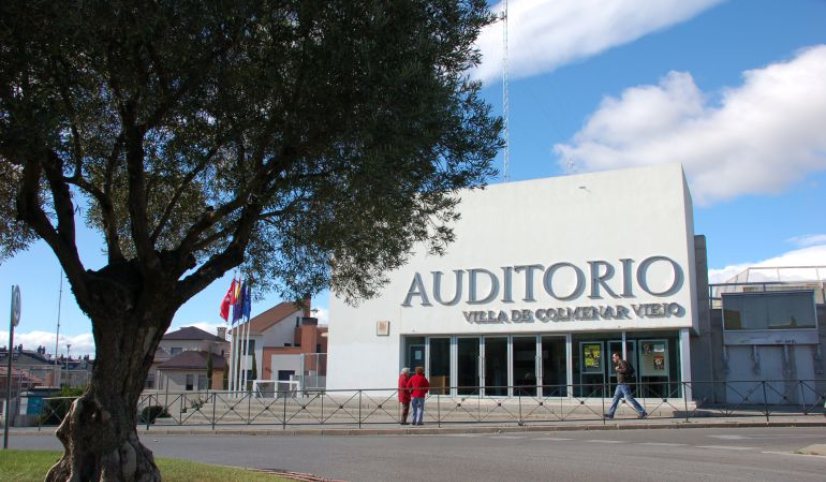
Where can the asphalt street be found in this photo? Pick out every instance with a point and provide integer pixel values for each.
(719, 454)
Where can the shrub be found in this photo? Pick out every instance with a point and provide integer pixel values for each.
(152, 412)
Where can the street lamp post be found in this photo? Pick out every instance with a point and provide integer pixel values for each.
(13, 321)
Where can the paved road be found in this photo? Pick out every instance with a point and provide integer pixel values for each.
(718, 454)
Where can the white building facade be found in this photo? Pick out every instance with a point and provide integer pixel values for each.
(546, 278)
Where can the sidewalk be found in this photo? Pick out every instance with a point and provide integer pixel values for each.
(629, 423)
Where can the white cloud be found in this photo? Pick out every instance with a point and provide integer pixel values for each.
(809, 256)
(544, 34)
(83, 344)
(763, 136)
(808, 240)
(323, 315)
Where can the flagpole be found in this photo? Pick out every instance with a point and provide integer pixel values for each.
(239, 329)
(247, 312)
(246, 302)
(228, 312)
(239, 305)
(249, 327)
(239, 362)
(245, 368)
(232, 355)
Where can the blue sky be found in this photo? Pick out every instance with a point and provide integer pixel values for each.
(734, 90)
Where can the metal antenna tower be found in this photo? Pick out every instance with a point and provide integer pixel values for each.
(506, 163)
(57, 334)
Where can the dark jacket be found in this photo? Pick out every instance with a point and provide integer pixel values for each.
(622, 369)
(404, 392)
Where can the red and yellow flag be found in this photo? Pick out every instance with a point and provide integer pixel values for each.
(229, 299)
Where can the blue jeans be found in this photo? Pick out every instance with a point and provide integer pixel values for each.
(418, 410)
(623, 390)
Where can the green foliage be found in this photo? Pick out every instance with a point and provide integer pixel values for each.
(318, 140)
(71, 392)
(14, 235)
(151, 413)
(313, 144)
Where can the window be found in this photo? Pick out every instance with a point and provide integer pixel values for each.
(203, 382)
(440, 365)
(190, 381)
(175, 350)
(468, 358)
(769, 311)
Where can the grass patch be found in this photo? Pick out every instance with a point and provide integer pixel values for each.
(32, 465)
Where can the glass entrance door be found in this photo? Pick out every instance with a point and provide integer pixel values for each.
(468, 366)
(496, 366)
(554, 367)
(524, 365)
(439, 366)
(615, 346)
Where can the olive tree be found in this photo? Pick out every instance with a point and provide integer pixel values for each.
(311, 143)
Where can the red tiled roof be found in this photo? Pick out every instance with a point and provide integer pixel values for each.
(20, 376)
(278, 313)
(193, 360)
(191, 333)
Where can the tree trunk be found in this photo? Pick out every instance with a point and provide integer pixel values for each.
(101, 443)
(99, 433)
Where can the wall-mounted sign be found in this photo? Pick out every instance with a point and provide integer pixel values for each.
(383, 328)
(579, 313)
(598, 280)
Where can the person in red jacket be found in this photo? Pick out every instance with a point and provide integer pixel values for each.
(404, 394)
(419, 386)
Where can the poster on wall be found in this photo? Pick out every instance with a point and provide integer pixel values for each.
(654, 358)
(592, 357)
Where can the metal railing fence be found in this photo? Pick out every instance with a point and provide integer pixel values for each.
(359, 408)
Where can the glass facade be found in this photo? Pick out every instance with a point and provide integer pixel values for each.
(538, 365)
(769, 311)
(654, 355)
(494, 366)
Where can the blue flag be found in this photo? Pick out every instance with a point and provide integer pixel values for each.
(247, 300)
(238, 307)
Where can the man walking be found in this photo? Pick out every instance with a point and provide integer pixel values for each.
(624, 375)
(419, 386)
(404, 394)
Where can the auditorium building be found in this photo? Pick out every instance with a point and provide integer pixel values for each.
(545, 279)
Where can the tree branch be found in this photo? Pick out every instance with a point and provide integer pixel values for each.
(109, 218)
(216, 266)
(61, 239)
(136, 203)
(179, 191)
